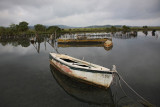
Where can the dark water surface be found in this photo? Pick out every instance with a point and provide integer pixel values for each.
(27, 79)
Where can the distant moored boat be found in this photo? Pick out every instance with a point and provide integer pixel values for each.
(108, 43)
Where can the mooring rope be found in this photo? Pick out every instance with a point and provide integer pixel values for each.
(121, 78)
(121, 87)
(133, 89)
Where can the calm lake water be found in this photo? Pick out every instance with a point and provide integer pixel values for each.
(27, 79)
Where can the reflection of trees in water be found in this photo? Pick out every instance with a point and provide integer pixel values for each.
(145, 32)
(15, 41)
(85, 35)
(127, 35)
(153, 32)
(26, 40)
(120, 35)
(38, 39)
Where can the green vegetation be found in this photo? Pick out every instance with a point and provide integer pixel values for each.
(23, 29)
(111, 29)
(23, 26)
(126, 29)
(52, 29)
(40, 28)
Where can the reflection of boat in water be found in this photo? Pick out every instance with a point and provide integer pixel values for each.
(82, 70)
(83, 92)
(108, 48)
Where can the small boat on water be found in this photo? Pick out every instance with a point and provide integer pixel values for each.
(108, 43)
(81, 70)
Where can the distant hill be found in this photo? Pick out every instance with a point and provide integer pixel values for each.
(31, 27)
(60, 26)
(102, 26)
(93, 26)
(64, 26)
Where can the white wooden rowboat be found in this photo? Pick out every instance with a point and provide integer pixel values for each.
(82, 70)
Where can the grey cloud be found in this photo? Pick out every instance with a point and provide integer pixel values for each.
(135, 9)
(79, 12)
(22, 3)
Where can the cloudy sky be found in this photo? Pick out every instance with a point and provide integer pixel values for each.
(80, 12)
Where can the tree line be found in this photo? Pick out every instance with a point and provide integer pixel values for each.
(23, 29)
(112, 29)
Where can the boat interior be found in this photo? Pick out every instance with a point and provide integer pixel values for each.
(75, 62)
(78, 63)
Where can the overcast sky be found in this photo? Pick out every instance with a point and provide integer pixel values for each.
(80, 12)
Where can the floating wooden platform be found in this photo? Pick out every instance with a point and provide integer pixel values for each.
(96, 40)
(80, 44)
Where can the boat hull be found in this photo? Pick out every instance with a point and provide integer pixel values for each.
(108, 45)
(93, 78)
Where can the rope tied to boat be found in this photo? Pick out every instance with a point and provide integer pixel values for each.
(121, 78)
